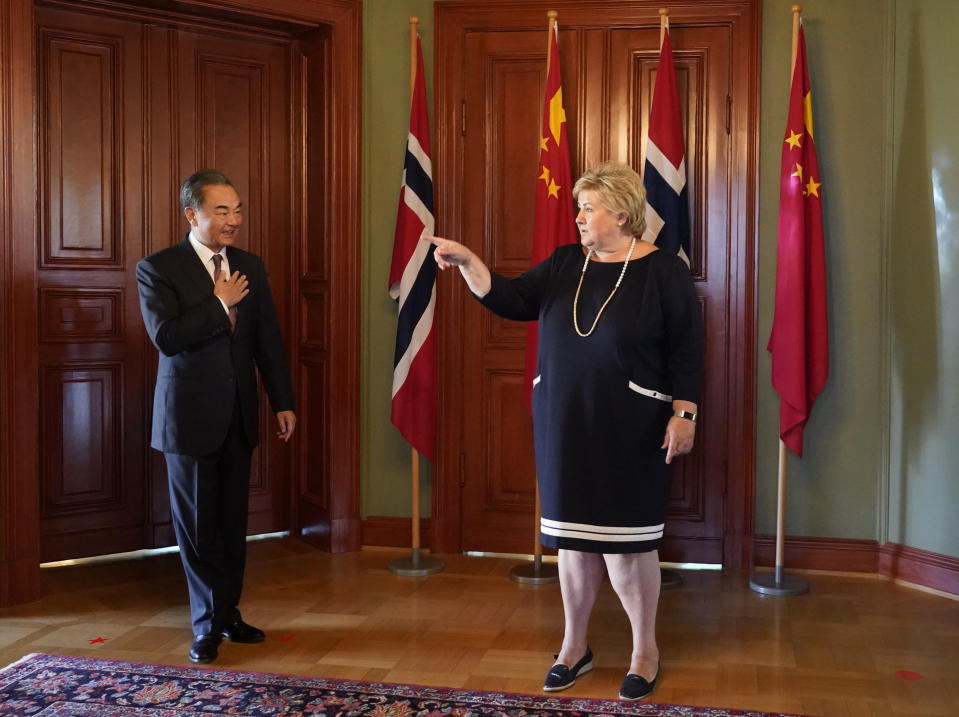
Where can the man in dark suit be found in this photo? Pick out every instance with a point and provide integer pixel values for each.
(208, 309)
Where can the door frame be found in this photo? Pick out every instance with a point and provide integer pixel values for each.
(453, 20)
(327, 515)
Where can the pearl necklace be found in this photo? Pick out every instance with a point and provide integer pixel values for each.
(580, 285)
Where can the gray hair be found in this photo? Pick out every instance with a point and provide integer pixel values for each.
(193, 190)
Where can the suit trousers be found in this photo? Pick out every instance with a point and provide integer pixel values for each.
(209, 505)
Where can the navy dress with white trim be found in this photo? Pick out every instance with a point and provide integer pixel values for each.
(601, 403)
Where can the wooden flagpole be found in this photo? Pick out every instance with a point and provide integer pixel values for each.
(536, 572)
(667, 578)
(416, 565)
(780, 584)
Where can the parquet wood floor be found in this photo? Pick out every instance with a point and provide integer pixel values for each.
(834, 652)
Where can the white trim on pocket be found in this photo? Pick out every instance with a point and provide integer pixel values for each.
(537, 379)
(649, 392)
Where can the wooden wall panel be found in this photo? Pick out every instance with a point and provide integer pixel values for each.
(19, 386)
(82, 167)
(510, 446)
(515, 89)
(91, 409)
(239, 116)
(77, 314)
(81, 408)
(313, 494)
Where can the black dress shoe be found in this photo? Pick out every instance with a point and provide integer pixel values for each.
(560, 676)
(203, 649)
(635, 687)
(238, 631)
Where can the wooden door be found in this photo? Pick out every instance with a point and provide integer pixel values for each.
(92, 354)
(127, 109)
(55, 306)
(486, 472)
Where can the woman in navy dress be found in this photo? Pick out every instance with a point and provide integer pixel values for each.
(619, 370)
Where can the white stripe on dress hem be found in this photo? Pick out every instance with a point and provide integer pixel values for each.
(600, 538)
(605, 533)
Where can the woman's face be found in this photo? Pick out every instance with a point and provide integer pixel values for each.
(599, 228)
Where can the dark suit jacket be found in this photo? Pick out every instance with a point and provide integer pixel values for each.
(203, 367)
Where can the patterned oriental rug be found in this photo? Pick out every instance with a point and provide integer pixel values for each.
(41, 685)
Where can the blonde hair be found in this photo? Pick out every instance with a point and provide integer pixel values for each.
(620, 190)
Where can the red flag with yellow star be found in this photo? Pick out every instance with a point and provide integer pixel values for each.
(799, 341)
(554, 223)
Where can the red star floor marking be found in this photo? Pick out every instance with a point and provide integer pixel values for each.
(285, 639)
(908, 675)
(99, 639)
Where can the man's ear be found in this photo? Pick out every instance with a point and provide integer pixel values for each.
(190, 213)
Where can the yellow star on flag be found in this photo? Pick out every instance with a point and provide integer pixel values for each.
(812, 188)
(553, 189)
(798, 172)
(557, 115)
(793, 140)
(543, 142)
(545, 175)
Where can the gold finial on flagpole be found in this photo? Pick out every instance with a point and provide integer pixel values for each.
(663, 23)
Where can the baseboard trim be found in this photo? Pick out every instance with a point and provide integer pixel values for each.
(391, 532)
(891, 560)
(921, 567)
(835, 554)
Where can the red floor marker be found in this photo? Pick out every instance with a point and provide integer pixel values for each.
(98, 639)
(908, 675)
(285, 639)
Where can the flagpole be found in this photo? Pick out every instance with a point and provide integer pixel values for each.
(779, 584)
(667, 578)
(536, 572)
(416, 565)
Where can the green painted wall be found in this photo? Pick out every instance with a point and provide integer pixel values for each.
(833, 489)
(385, 456)
(881, 446)
(923, 283)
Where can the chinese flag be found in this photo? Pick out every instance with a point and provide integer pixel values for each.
(799, 342)
(554, 223)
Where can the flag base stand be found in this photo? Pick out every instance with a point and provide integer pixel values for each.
(669, 579)
(416, 565)
(535, 572)
(778, 584)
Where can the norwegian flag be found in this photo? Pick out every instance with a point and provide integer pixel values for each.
(413, 284)
(664, 174)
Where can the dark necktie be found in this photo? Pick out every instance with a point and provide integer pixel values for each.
(217, 268)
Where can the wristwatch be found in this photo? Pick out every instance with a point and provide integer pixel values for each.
(688, 415)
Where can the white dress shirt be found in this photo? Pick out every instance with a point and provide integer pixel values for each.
(206, 256)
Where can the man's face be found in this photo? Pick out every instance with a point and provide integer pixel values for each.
(216, 223)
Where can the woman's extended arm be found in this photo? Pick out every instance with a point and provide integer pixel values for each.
(450, 253)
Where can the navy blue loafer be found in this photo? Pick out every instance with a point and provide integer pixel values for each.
(560, 676)
(635, 687)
